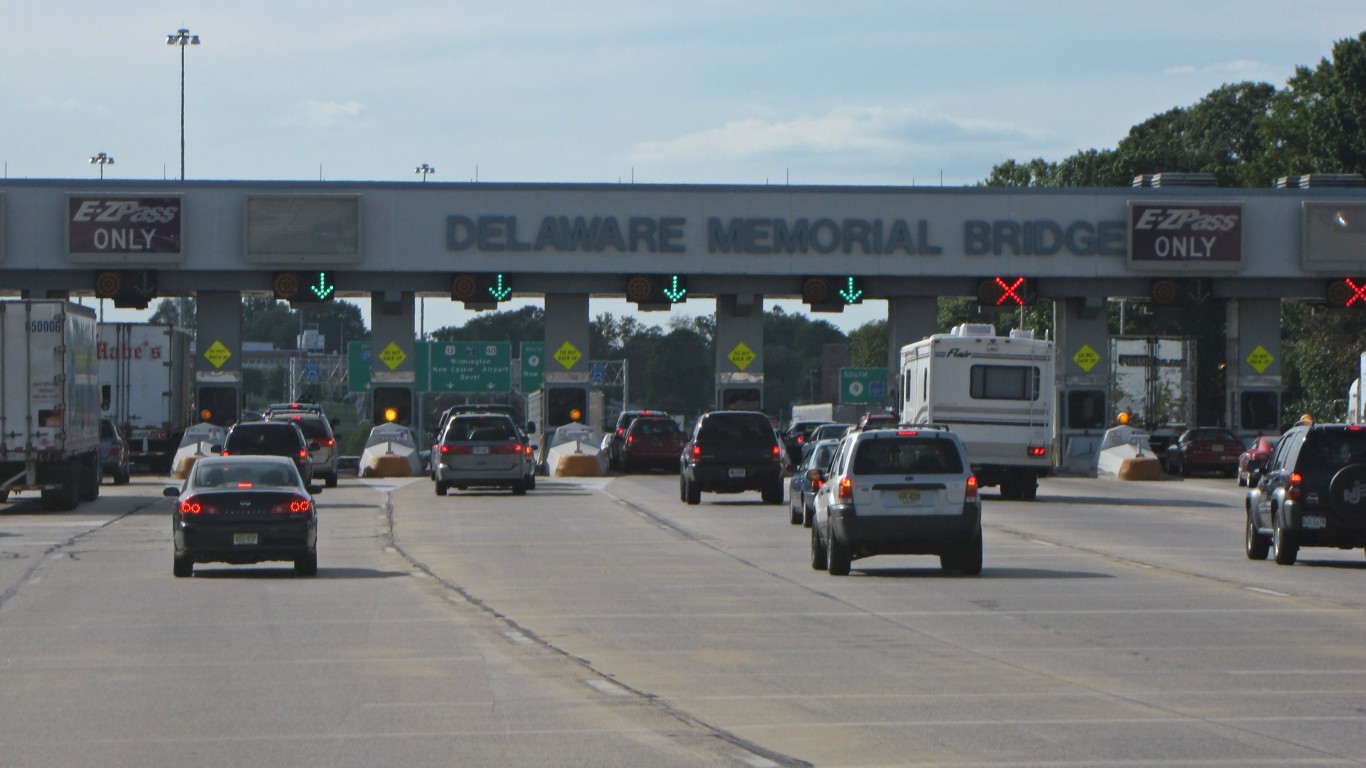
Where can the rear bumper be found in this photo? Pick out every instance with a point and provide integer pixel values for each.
(904, 534)
(213, 543)
(735, 478)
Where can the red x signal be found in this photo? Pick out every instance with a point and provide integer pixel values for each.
(1358, 292)
(1005, 292)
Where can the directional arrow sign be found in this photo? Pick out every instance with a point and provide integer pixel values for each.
(851, 293)
(675, 292)
(322, 289)
(500, 290)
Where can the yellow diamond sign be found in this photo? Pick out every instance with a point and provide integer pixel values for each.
(567, 355)
(1086, 358)
(392, 356)
(1260, 359)
(741, 356)
(217, 354)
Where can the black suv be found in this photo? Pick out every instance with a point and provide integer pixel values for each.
(270, 438)
(1312, 494)
(731, 452)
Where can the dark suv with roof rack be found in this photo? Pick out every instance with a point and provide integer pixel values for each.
(1312, 494)
(732, 452)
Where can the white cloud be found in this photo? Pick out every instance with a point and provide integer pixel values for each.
(1237, 67)
(322, 114)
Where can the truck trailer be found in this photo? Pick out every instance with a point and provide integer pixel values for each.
(146, 388)
(995, 393)
(49, 402)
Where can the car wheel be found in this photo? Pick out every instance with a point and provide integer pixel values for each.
(440, 488)
(794, 511)
(682, 486)
(1283, 547)
(692, 494)
(837, 558)
(531, 483)
(332, 481)
(773, 494)
(182, 567)
(969, 559)
(817, 550)
(519, 488)
(307, 565)
(1029, 488)
(1255, 544)
(121, 476)
(808, 514)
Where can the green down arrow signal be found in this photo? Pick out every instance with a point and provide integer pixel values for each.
(675, 292)
(321, 289)
(499, 290)
(851, 294)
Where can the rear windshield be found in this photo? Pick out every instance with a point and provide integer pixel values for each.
(1333, 449)
(240, 474)
(462, 429)
(314, 428)
(907, 456)
(282, 440)
(654, 427)
(740, 430)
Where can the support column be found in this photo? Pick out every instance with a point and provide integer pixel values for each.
(393, 370)
(1252, 366)
(566, 382)
(218, 356)
(1083, 386)
(740, 352)
(909, 319)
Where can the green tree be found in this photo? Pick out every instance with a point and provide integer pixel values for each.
(517, 325)
(1318, 123)
(679, 376)
(868, 345)
(178, 311)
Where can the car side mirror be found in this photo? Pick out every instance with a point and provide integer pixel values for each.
(215, 448)
(531, 427)
(170, 491)
(315, 489)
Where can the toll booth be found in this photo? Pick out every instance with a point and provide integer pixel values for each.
(739, 391)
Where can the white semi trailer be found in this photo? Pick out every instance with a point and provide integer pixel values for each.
(147, 388)
(49, 402)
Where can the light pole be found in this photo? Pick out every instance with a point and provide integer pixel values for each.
(424, 169)
(102, 160)
(182, 38)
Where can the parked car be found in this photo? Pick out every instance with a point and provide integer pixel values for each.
(898, 491)
(731, 452)
(1204, 449)
(651, 442)
(113, 453)
(616, 439)
(806, 480)
(317, 431)
(244, 509)
(481, 450)
(1252, 462)
(795, 437)
(1312, 494)
(270, 438)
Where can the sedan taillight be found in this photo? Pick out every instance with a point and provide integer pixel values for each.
(193, 505)
(297, 505)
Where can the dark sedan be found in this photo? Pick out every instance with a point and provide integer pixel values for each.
(244, 509)
(801, 489)
(1204, 449)
(1252, 462)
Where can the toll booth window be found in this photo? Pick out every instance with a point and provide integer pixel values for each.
(1004, 382)
(218, 405)
(1259, 411)
(562, 403)
(746, 399)
(1086, 409)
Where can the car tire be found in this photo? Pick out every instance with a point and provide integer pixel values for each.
(794, 515)
(817, 550)
(773, 494)
(531, 482)
(808, 514)
(691, 493)
(969, 559)
(307, 565)
(332, 480)
(1029, 488)
(440, 488)
(1284, 550)
(122, 476)
(1256, 544)
(837, 557)
(182, 567)
(519, 488)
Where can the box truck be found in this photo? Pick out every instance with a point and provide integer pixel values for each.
(994, 392)
(146, 388)
(49, 402)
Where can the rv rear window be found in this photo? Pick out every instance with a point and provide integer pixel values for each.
(1004, 382)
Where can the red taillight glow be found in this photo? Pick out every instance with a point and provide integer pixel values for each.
(194, 506)
(295, 506)
(777, 453)
(846, 490)
(244, 485)
(329, 443)
(907, 433)
(630, 439)
(1293, 489)
(455, 449)
(1037, 451)
(697, 451)
(509, 448)
(971, 493)
(620, 431)
(303, 453)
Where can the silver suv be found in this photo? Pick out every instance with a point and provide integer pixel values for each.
(903, 490)
(322, 446)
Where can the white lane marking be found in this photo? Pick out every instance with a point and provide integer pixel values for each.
(1261, 591)
(517, 638)
(603, 686)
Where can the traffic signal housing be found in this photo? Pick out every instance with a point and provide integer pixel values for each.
(129, 288)
(1349, 292)
(481, 290)
(392, 405)
(832, 294)
(656, 292)
(566, 405)
(1007, 292)
(219, 405)
(1181, 291)
(312, 287)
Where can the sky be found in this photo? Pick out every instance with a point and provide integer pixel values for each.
(857, 92)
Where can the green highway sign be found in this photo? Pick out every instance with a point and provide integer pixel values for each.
(470, 366)
(533, 365)
(358, 366)
(863, 386)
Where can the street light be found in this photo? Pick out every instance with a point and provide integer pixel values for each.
(102, 160)
(424, 169)
(182, 38)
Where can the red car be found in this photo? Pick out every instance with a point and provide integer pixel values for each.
(651, 441)
(1253, 461)
(1204, 449)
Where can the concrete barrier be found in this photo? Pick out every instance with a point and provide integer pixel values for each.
(576, 459)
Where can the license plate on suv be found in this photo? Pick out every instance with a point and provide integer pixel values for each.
(737, 472)
(908, 498)
(246, 539)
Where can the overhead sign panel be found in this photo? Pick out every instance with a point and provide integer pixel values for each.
(303, 229)
(863, 386)
(471, 366)
(1185, 237)
(1334, 236)
(124, 229)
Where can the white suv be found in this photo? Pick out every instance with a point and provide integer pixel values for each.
(903, 490)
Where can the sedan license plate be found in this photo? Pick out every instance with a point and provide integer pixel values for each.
(908, 497)
(1313, 522)
(737, 471)
(1216, 446)
(480, 450)
(247, 539)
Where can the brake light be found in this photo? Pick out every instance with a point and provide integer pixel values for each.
(329, 443)
(777, 453)
(115, 450)
(970, 494)
(194, 506)
(1037, 451)
(800, 439)
(244, 485)
(907, 433)
(1294, 488)
(529, 450)
(630, 439)
(697, 452)
(620, 431)
(295, 506)
(303, 453)
(509, 448)
(225, 453)
(455, 449)
(846, 490)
